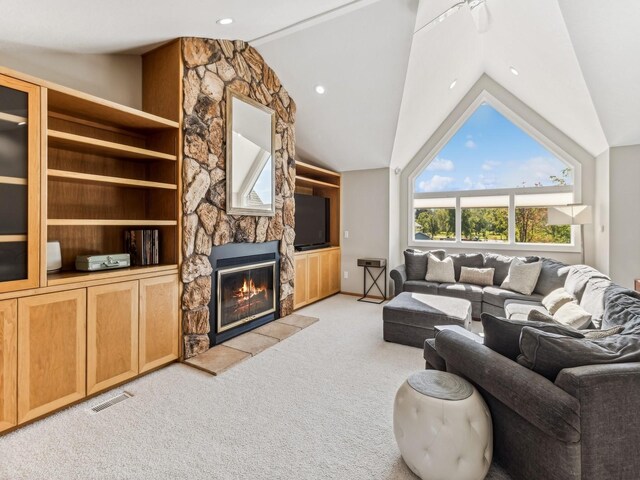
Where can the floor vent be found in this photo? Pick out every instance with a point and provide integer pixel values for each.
(111, 402)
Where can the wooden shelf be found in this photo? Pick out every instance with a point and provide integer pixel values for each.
(313, 182)
(81, 222)
(102, 179)
(7, 117)
(72, 102)
(63, 278)
(69, 141)
(13, 181)
(312, 169)
(12, 238)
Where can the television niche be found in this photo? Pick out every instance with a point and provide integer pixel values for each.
(312, 222)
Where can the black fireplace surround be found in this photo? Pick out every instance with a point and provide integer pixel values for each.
(245, 286)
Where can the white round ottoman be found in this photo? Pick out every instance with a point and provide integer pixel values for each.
(443, 427)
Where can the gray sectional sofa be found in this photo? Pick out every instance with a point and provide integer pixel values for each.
(410, 277)
(582, 421)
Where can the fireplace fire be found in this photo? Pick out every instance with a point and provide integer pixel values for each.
(245, 293)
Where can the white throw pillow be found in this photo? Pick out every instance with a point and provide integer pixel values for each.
(522, 277)
(477, 276)
(573, 315)
(441, 271)
(557, 299)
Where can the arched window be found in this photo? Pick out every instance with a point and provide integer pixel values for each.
(492, 182)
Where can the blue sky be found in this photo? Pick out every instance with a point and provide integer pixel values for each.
(489, 151)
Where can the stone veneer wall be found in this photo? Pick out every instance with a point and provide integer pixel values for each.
(209, 67)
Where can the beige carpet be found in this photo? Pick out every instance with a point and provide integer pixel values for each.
(317, 405)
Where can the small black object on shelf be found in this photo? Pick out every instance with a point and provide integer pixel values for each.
(373, 263)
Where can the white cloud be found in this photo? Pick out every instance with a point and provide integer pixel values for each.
(441, 164)
(536, 170)
(437, 183)
(468, 182)
(470, 144)
(490, 165)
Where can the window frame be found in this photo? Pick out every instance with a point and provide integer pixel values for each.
(511, 244)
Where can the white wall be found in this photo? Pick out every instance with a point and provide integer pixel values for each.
(601, 222)
(113, 77)
(365, 215)
(624, 248)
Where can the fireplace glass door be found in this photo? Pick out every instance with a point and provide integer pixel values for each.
(245, 293)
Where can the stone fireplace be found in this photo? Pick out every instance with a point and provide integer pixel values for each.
(210, 66)
(245, 286)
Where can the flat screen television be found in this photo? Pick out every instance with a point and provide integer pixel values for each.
(312, 220)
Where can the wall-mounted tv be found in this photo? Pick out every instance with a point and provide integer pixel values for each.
(312, 221)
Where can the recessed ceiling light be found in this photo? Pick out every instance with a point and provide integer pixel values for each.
(320, 90)
(453, 84)
(225, 21)
(514, 71)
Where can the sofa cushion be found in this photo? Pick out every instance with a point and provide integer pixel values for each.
(502, 335)
(477, 276)
(421, 286)
(439, 270)
(500, 263)
(594, 298)
(597, 333)
(473, 260)
(497, 296)
(522, 277)
(548, 353)
(556, 299)
(473, 293)
(431, 356)
(553, 275)
(416, 264)
(578, 277)
(538, 316)
(622, 308)
(572, 315)
(519, 310)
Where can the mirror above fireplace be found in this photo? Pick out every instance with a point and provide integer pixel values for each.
(250, 157)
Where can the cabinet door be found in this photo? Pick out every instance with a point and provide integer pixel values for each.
(51, 352)
(112, 335)
(300, 292)
(19, 184)
(159, 322)
(334, 270)
(325, 274)
(313, 277)
(8, 364)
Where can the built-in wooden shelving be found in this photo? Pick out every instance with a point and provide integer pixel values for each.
(12, 238)
(79, 222)
(301, 180)
(65, 278)
(8, 117)
(13, 181)
(102, 179)
(78, 143)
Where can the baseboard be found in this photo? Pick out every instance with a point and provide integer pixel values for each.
(375, 297)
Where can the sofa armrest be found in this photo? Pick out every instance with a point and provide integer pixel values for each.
(609, 397)
(399, 276)
(530, 395)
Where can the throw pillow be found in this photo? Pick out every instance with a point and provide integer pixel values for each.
(477, 276)
(502, 335)
(416, 262)
(548, 353)
(522, 277)
(573, 315)
(557, 299)
(473, 260)
(596, 333)
(538, 316)
(553, 275)
(440, 270)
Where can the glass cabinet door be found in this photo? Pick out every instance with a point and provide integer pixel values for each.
(19, 184)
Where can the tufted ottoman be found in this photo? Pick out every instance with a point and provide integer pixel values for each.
(443, 427)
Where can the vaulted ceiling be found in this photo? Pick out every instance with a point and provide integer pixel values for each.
(387, 79)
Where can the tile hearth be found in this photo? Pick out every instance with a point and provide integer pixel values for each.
(222, 357)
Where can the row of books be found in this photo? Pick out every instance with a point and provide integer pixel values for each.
(143, 246)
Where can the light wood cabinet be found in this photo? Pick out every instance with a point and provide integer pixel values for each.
(159, 322)
(19, 184)
(8, 364)
(317, 276)
(51, 352)
(112, 335)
